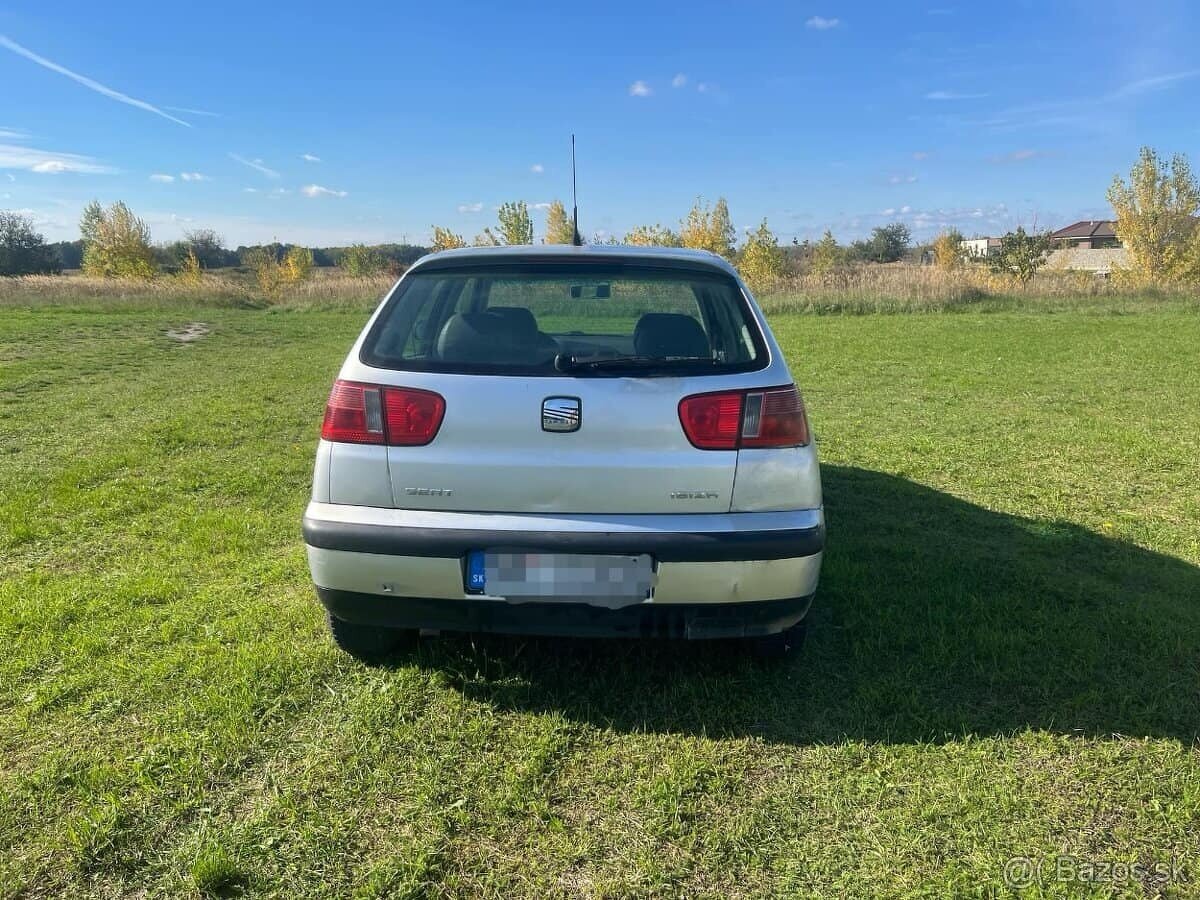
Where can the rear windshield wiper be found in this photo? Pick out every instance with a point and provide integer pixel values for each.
(565, 362)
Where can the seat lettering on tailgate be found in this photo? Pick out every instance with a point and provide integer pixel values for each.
(693, 495)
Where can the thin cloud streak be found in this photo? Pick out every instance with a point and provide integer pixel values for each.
(1144, 85)
(193, 112)
(89, 83)
(256, 164)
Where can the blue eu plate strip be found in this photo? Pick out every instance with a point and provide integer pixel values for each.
(476, 578)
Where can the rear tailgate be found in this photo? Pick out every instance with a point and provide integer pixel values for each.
(628, 455)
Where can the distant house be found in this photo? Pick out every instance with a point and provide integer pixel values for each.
(1090, 234)
(980, 247)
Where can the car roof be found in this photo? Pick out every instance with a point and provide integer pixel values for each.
(586, 253)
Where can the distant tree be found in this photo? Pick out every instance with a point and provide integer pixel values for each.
(1156, 217)
(360, 261)
(445, 239)
(515, 226)
(22, 250)
(69, 253)
(947, 250)
(116, 243)
(267, 271)
(559, 227)
(886, 244)
(1021, 254)
(297, 265)
(208, 246)
(826, 254)
(90, 221)
(760, 261)
(709, 229)
(652, 236)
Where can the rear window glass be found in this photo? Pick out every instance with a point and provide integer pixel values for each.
(578, 320)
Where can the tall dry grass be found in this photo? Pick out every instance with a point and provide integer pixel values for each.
(905, 288)
(859, 289)
(331, 290)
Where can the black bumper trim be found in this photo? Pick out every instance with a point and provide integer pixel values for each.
(695, 621)
(452, 543)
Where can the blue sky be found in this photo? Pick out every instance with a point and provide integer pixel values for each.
(332, 123)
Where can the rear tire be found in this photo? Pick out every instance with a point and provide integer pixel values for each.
(369, 643)
(777, 646)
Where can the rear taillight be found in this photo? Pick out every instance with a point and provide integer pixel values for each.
(374, 414)
(731, 419)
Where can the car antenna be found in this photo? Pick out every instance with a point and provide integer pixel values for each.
(576, 240)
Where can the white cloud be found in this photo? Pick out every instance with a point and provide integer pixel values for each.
(249, 190)
(640, 89)
(96, 86)
(193, 176)
(256, 164)
(905, 209)
(316, 190)
(470, 207)
(48, 162)
(890, 211)
(541, 206)
(164, 179)
(679, 81)
(13, 134)
(308, 157)
(537, 168)
(903, 179)
(820, 23)
(952, 95)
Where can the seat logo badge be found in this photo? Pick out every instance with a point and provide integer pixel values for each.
(561, 414)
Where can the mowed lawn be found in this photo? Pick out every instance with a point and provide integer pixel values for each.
(1004, 658)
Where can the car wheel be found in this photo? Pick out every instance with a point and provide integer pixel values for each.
(776, 646)
(369, 643)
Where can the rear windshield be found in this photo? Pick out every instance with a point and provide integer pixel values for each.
(585, 320)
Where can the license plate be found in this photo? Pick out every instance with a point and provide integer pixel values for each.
(572, 577)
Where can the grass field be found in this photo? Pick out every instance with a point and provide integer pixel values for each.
(1004, 659)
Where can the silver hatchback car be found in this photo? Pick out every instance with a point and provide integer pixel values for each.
(561, 440)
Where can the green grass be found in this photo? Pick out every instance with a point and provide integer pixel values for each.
(1004, 658)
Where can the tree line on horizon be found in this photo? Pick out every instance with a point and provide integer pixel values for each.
(1156, 214)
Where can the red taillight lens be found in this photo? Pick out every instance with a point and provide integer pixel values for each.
(733, 419)
(372, 414)
(413, 417)
(712, 421)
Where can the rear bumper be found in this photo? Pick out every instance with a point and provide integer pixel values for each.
(668, 538)
(695, 621)
(726, 575)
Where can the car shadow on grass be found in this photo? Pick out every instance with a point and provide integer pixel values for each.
(935, 619)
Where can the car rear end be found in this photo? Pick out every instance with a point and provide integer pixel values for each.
(565, 441)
